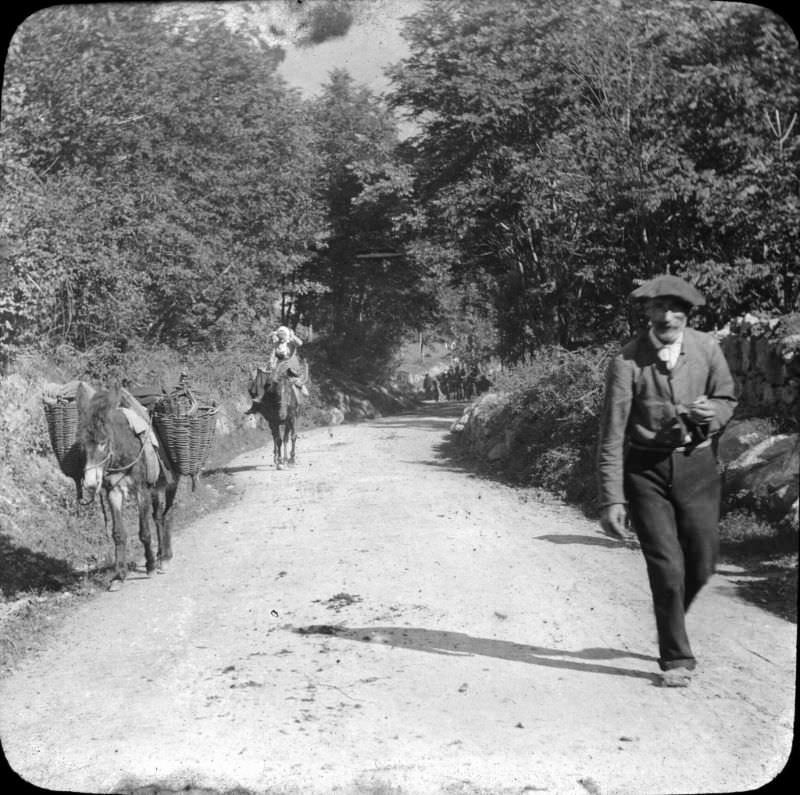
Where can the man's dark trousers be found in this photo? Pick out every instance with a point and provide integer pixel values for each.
(673, 501)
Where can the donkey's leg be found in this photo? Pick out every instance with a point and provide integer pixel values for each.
(143, 499)
(276, 443)
(170, 492)
(163, 497)
(290, 439)
(115, 500)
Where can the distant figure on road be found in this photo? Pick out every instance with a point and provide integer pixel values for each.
(483, 384)
(669, 392)
(427, 386)
(430, 385)
(444, 383)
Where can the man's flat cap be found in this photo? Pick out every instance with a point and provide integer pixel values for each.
(669, 285)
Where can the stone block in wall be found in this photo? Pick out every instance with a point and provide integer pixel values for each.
(746, 350)
(766, 474)
(761, 351)
(788, 349)
(741, 435)
(763, 355)
(767, 395)
(738, 381)
(755, 325)
(788, 325)
(790, 392)
(731, 349)
(750, 389)
(775, 371)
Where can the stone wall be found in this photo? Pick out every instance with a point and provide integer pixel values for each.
(764, 357)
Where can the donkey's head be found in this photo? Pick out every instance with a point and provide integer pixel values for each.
(94, 435)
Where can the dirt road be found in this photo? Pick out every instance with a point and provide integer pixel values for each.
(376, 620)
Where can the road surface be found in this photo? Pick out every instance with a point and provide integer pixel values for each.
(377, 620)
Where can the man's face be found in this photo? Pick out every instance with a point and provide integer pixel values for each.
(668, 317)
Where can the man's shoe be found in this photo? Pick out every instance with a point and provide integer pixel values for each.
(676, 677)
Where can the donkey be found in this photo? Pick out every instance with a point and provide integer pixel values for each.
(119, 463)
(275, 399)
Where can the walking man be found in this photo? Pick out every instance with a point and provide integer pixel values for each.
(669, 392)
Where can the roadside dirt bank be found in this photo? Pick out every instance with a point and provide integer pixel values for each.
(378, 620)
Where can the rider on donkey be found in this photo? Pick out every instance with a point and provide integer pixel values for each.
(283, 360)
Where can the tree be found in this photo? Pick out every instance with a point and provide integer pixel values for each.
(468, 88)
(740, 89)
(373, 291)
(569, 151)
(157, 172)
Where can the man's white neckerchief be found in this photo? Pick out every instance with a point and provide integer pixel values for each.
(668, 353)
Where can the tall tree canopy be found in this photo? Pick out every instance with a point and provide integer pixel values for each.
(159, 179)
(568, 150)
(161, 182)
(373, 292)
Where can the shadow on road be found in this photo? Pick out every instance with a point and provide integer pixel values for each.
(232, 470)
(436, 416)
(24, 569)
(450, 455)
(589, 541)
(459, 644)
(416, 421)
(451, 409)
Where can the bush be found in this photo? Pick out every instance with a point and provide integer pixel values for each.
(552, 413)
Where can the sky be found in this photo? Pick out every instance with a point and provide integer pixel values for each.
(373, 42)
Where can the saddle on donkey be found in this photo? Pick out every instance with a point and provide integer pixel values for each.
(141, 424)
(284, 363)
(264, 377)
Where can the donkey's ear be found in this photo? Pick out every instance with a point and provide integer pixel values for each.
(83, 394)
(114, 395)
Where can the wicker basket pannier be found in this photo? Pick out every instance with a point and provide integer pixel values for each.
(62, 426)
(186, 429)
(59, 402)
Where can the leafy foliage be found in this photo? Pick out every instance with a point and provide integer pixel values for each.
(162, 184)
(569, 151)
(552, 408)
(159, 179)
(372, 290)
(327, 21)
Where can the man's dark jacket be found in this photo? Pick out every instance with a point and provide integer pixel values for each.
(645, 404)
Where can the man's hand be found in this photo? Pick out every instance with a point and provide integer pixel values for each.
(701, 411)
(614, 521)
